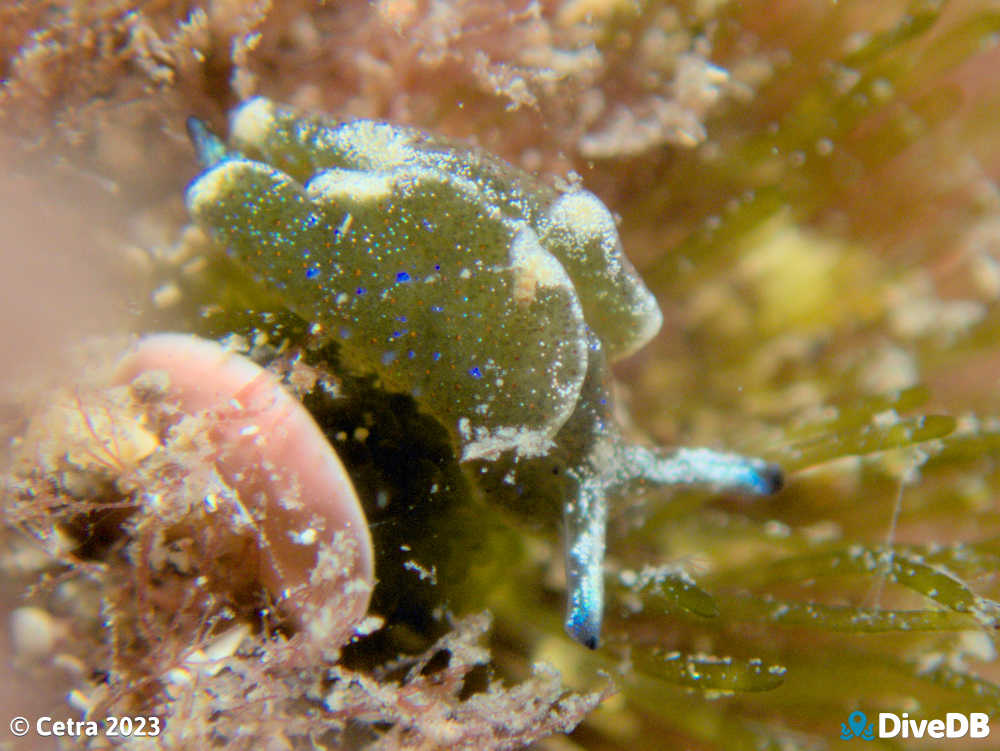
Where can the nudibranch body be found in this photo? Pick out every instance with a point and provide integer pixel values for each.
(494, 300)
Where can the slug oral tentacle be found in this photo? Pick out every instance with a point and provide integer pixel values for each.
(488, 296)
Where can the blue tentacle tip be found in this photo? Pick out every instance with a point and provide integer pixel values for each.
(766, 479)
(583, 623)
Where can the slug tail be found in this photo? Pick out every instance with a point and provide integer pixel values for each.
(208, 146)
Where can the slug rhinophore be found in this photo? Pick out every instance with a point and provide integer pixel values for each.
(494, 300)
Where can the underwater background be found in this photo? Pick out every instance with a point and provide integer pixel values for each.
(808, 188)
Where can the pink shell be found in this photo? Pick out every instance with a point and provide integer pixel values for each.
(273, 453)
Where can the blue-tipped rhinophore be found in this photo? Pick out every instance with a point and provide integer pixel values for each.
(586, 516)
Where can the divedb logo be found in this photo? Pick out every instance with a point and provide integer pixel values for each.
(891, 725)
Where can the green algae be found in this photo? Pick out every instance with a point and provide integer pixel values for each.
(709, 673)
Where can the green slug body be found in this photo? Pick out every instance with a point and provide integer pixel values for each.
(491, 298)
(444, 270)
